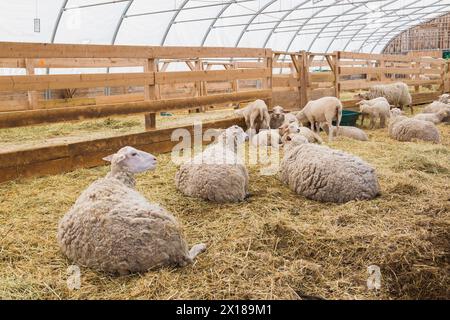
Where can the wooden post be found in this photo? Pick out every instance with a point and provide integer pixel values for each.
(267, 82)
(33, 96)
(336, 71)
(150, 94)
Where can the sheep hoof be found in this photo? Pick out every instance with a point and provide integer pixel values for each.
(248, 195)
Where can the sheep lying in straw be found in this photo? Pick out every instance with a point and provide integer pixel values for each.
(327, 175)
(402, 128)
(323, 110)
(217, 174)
(436, 118)
(347, 131)
(397, 94)
(270, 137)
(435, 107)
(376, 108)
(113, 228)
(444, 98)
(256, 115)
(294, 127)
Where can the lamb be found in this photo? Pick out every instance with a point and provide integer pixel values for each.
(256, 115)
(348, 131)
(435, 118)
(323, 174)
(113, 228)
(444, 98)
(218, 174)
(397, 94)
(395, 112)
(435, 107)
(294, 127)
(289, 118)
(402, 128)
(277, 117)
(375, 109)
(323, 110)
(269, 137)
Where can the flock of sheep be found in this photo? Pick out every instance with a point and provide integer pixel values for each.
(113, 228)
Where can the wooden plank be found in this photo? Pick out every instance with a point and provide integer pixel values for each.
(46, 50)
(381, 70)
(119, 98)
(41, 161)
(32, 95)
(210, 75)
(285, 81)
(87, 62)
(69, 81)
(321, 76)
(24, 118)
(363, 84)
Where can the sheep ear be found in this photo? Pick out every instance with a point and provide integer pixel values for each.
(109, 158)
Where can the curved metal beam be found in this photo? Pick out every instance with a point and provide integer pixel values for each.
(268, 4)
(280, 21)
(119, 24)
(383, 25)
(208, 31)
(175, 15)
(306, 21)
(344, 27)
(58, 20)
(379, 40)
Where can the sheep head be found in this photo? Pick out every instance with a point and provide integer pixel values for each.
(129, 159)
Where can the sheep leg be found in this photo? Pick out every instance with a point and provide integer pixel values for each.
(196, 250)
(372, 122)
(382, 121)
(412, 109)
(362, 119)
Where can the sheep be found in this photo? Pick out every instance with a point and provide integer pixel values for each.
(396, 93)
(324, 174)
(435, 118)
(256, 115)
(113, 228)
(277, 117)
(375, 109)
(294, 127)
(347, 131)
(435, 107)
(323, 110)
(444, 98)
(289, 118)
(402, 128)
(394, 112)
(269, 137)
(217, 174)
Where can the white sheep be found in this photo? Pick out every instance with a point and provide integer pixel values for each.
(444, 98)
(295, 127)
(256, 115)
(267, 137)
(435, 107)
(375, 109)
(276, 117)
(323, 110)
(402, 128)
(327, 175)
(113, 228)
(289, 118)
(394, 112)
(397, 94)
(347, 131)
(436, 118)
(217, 174)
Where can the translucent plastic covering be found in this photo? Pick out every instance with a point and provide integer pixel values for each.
(284, 25)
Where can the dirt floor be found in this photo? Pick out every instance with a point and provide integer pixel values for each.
(275, 245)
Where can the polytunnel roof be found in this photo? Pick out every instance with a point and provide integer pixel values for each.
(284, 25)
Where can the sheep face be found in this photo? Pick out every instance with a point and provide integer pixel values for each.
(293, 139)
(277, 112)
(362, 96)
(395, 112)
(132, 160)
(301, 117)
(234, 135)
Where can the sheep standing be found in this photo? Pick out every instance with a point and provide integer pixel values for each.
(375, 109)
(323, 174)
(256, 115)
(113, 228)
(323, 110)
(397, 94)
(217, 174)
(347, 131)
(402, 128)
(276, 117)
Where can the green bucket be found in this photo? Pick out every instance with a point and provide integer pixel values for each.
(348, 118)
